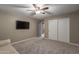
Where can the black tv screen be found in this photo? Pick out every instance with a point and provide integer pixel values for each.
(22, 25)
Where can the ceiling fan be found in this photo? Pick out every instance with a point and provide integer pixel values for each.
(39, 9)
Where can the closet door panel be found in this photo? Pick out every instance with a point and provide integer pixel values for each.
(63, 29)
(52, 29)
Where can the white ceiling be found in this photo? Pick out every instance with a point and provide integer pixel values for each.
(54, 9)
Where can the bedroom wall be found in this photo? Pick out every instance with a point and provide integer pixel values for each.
(74, 28)
(74, 25)
(8, 28)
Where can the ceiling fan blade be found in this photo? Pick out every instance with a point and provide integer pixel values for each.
(45, 8)
(34, 5)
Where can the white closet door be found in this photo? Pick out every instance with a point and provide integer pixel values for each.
(63, 29)
(52, 29)
(59, 29)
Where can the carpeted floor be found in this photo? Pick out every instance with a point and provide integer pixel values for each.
(44, 46)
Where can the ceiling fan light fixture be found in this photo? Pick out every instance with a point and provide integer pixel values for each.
(37, 12)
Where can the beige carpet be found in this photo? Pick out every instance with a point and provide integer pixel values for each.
(43, 46)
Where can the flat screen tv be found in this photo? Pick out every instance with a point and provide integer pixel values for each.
(22, 25)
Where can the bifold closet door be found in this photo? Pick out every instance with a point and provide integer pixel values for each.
(52, 29)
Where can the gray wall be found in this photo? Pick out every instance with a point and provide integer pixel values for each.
(74, 28)
(8, 28)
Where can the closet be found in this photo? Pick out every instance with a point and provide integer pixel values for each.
(58, 29)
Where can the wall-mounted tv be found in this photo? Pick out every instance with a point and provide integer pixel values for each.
(22, 25)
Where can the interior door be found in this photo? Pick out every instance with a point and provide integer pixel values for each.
(52, 29)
